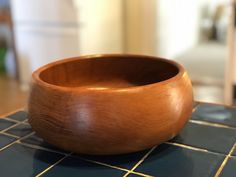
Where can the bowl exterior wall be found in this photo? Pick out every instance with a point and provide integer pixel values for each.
(110, 122)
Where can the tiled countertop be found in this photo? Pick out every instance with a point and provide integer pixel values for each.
(205, 147)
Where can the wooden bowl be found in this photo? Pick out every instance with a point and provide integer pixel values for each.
(109, 104)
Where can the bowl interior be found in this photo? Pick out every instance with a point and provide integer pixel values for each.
(109, 72)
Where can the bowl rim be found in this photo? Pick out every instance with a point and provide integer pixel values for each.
(36, 74)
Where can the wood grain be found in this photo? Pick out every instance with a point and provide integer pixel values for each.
(109, 104)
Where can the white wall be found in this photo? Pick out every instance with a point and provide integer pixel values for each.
(165, 28)
(49, 30)
(140, 26)
(102, 22)
(178, 24)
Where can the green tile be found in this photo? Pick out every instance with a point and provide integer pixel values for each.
(207, 137)
(74, 167)
(126, 161)
(216, 114)
(20, 116)
(5, 140)
(22, 161)
(20, 130)
(36, 140)
(173, 161)
(234, 152)
(230, 168)
(5, 124)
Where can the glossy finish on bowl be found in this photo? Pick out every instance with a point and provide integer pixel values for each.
(109, 104)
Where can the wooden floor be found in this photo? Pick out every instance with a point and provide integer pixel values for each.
(11, 96)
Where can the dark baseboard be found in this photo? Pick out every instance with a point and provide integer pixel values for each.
(234, 92)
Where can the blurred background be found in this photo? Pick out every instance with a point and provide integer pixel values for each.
(200, 34)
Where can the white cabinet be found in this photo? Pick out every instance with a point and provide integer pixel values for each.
(49, 30)
(34, 12)
(38, 46)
